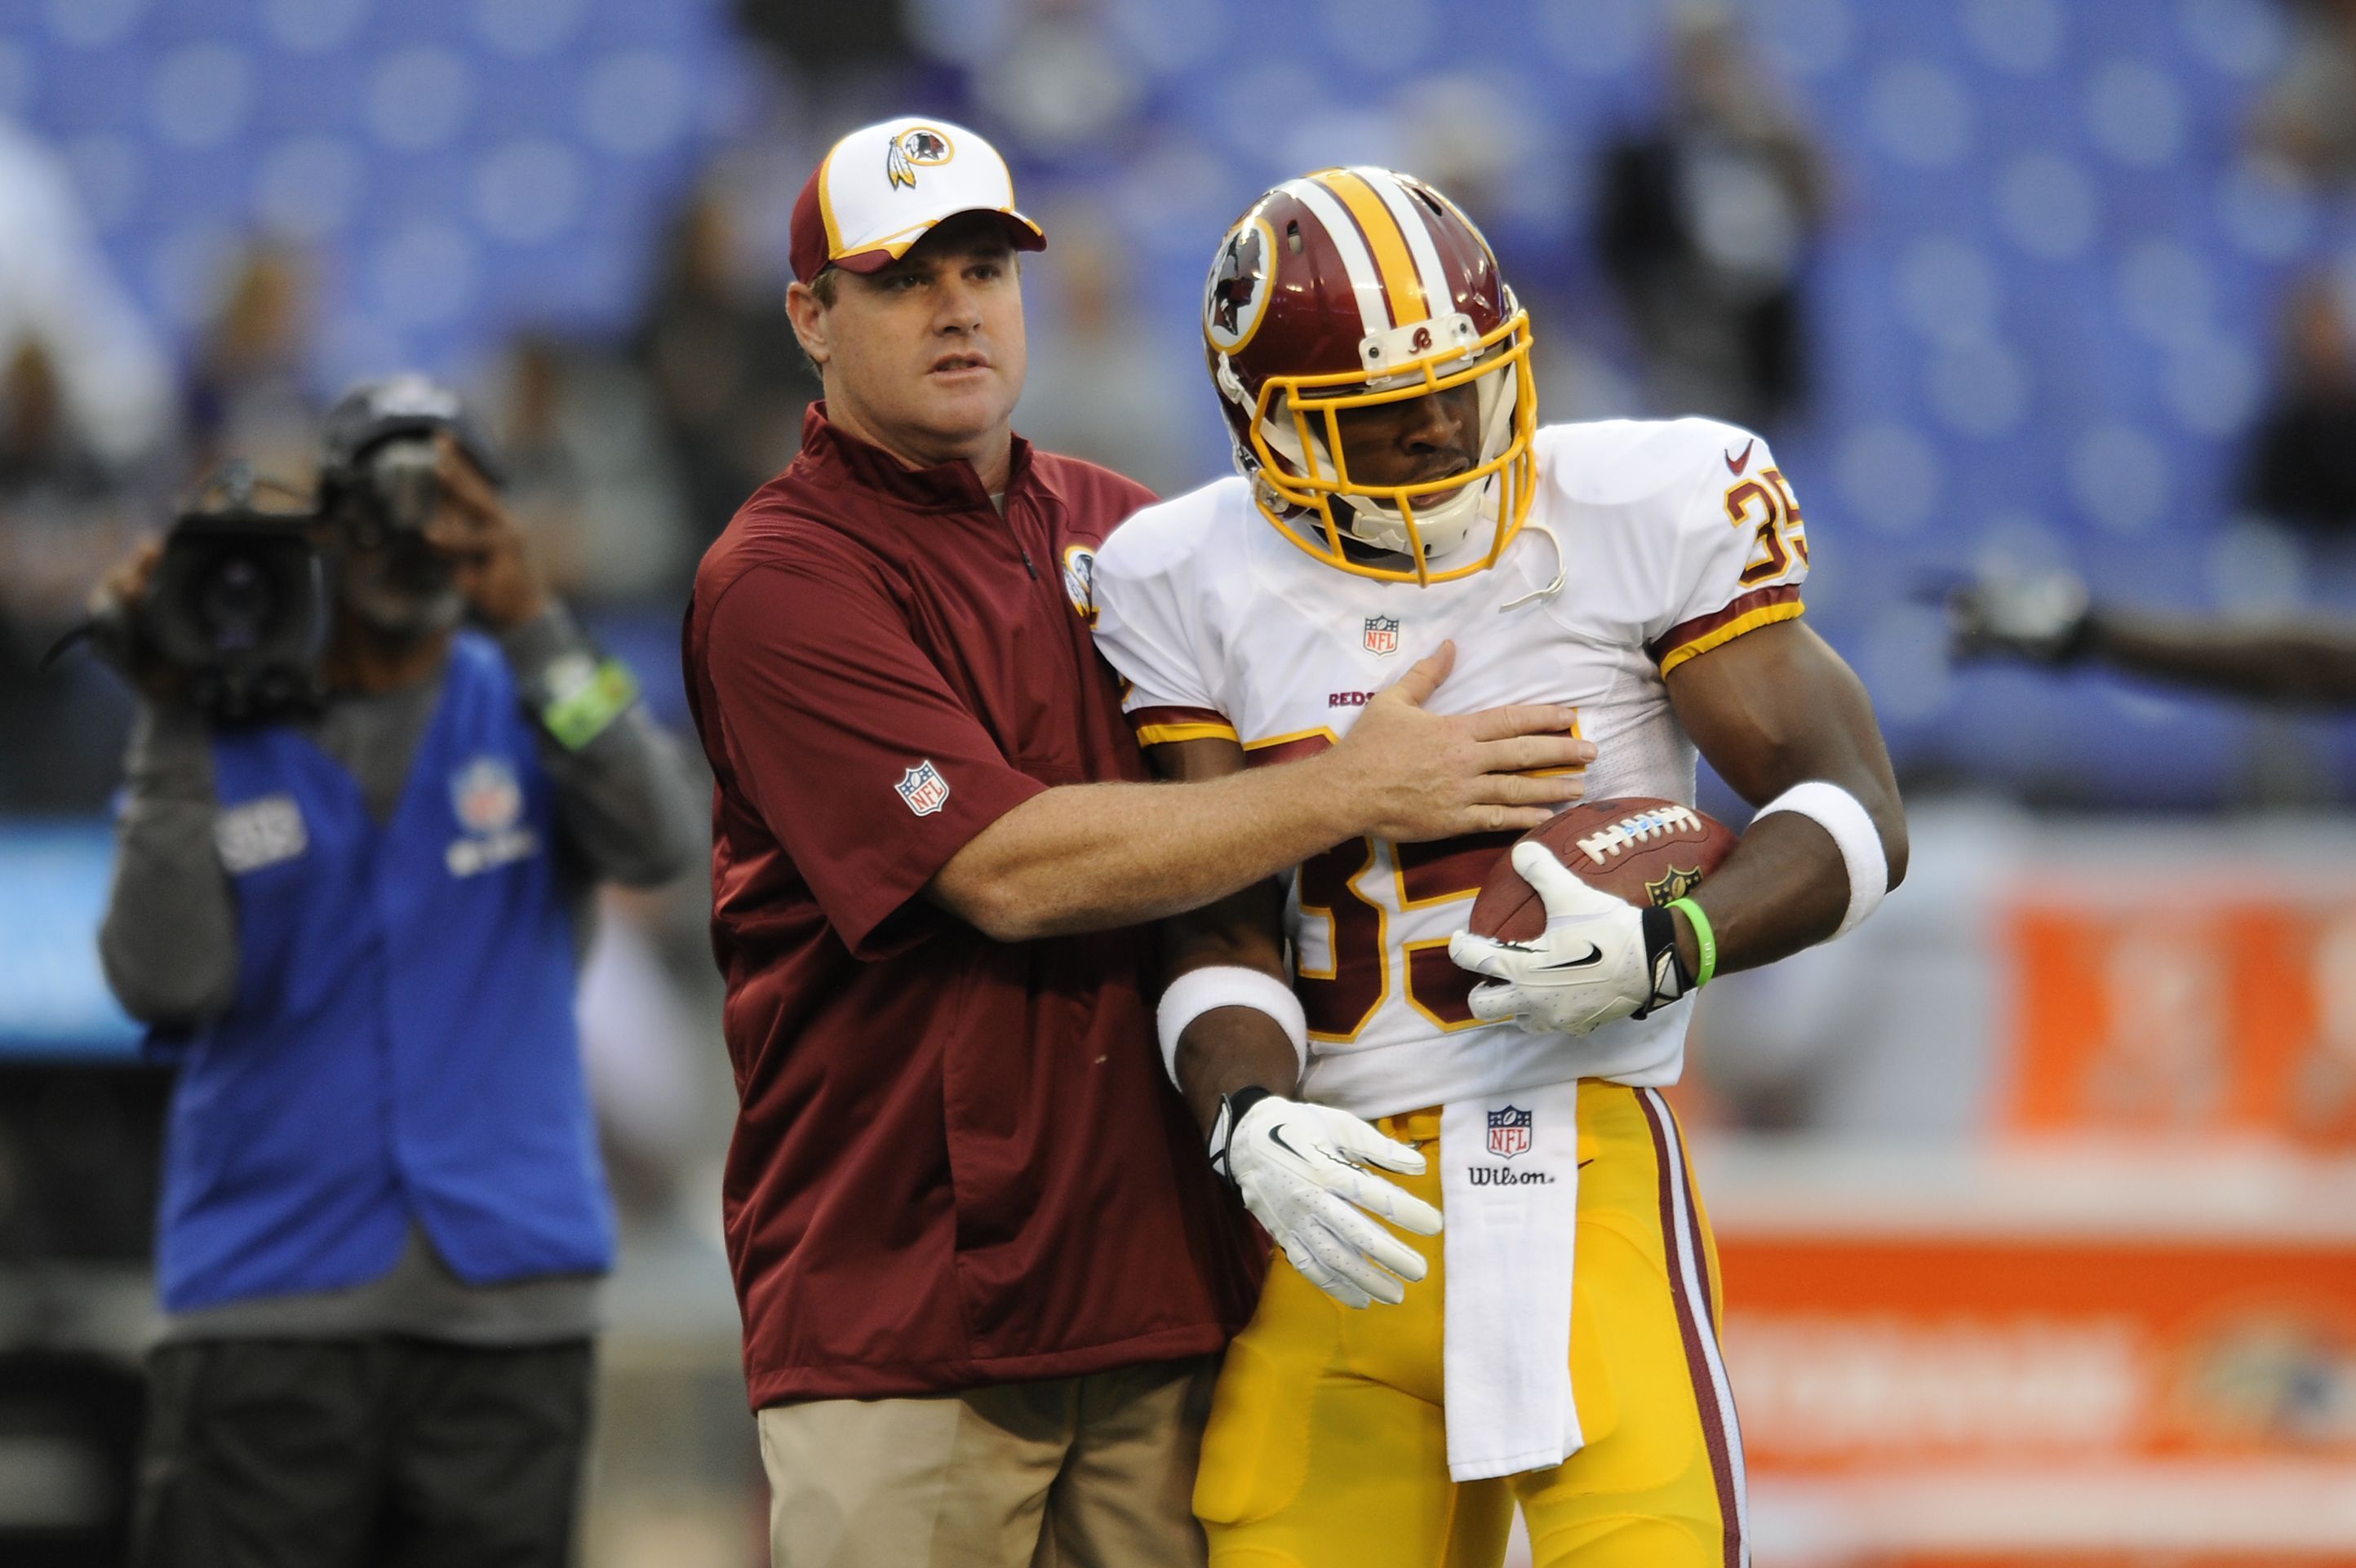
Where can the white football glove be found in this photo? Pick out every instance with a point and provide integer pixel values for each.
(2042, 618)
(1298, 1169)
(1596, 961)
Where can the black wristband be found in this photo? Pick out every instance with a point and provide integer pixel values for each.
(1663, 962)
(2076, 644)
(1233, 1108)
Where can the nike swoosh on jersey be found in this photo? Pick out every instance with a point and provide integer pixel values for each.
(1735, 465)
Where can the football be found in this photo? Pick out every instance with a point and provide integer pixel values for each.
(1645, 851)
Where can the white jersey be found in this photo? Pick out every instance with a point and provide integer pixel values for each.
(1672, 538)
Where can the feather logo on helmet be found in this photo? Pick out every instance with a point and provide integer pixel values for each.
(917, 147)
(1237, 295)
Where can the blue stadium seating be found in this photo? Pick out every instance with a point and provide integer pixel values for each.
(2042, 314)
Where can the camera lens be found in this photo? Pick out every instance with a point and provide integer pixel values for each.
(236, 602)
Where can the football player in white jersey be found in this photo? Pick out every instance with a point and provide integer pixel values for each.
(1400, 512)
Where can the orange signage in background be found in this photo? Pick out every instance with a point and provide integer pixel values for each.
(2120, 1332)
(1879, 1352)
(2034, 1357)
(2189, 1012)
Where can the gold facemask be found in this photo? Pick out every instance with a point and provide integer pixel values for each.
(1296, 436)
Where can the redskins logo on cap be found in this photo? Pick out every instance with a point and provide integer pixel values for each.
(1237, 296)
(917, 147)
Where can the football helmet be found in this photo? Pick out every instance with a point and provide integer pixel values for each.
(1350, 288)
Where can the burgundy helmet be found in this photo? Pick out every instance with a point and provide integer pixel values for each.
(1357, 286)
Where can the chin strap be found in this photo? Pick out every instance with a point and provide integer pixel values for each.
(1551, 589)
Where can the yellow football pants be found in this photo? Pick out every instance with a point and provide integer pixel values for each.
(1328, 1445)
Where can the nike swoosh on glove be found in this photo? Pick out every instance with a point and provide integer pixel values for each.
(1298, 1167)
(1592, 964)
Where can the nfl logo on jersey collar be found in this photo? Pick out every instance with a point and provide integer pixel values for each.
(1381, 637)
(1509, 1131)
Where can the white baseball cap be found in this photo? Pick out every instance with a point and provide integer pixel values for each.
(882, 189)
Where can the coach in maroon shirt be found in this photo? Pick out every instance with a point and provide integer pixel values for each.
(984, 1265)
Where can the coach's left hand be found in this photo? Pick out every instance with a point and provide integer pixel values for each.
(489, 559)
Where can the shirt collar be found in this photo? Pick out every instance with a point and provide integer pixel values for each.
(948, 486)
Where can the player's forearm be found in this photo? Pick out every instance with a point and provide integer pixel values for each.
(2313, 663)
(1784, 888)
(1230, 1048)
(1772, 710)
(1092, 857)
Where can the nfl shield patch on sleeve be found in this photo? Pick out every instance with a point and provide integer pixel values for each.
(924, 789)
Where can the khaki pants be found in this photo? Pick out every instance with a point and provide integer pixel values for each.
(1087, 1472)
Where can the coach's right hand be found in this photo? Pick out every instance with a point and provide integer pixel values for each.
(1298, 1168)
(1422, 776)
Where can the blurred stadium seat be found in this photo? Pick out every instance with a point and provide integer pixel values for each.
(465, 167)
(2045, 297)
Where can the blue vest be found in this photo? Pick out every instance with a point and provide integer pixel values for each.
(402, 1044)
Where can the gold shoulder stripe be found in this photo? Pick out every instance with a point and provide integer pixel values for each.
(1719, 636)
(1169, 734)
(1272, 749)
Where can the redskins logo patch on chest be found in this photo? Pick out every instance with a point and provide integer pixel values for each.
(1236, 297)
(1080, 581)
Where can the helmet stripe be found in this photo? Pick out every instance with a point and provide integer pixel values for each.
(1384, 235)
(1416, 225)
(1357, 262)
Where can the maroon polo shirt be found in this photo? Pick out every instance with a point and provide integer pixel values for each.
(957, 1161)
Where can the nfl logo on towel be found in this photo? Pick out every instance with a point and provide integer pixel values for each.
(1382, 634)
(927, 791)
(1509, 1132)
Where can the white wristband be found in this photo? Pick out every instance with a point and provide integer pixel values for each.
(1197, 991)
(1841, 814)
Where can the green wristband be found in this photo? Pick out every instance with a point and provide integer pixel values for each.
(591, 696)
(1703, 936)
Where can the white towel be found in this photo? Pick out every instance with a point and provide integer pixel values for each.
(1509, 1186)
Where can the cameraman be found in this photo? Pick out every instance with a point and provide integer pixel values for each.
(357, 927)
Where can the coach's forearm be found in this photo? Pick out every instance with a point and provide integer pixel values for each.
(1092, 857)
